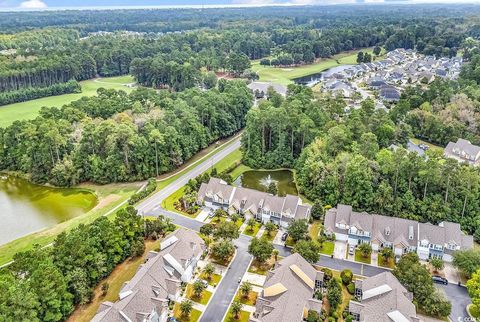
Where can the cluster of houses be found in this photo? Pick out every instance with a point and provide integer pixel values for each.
(402, 235)
(263, 206)
(289, 289)
(157, 282)
(386, 78)
(463, 151)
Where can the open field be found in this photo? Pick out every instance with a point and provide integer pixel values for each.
(29, 109)
(285, 76)
(432, 146)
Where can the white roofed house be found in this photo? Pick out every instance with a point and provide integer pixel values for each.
(381, 298)
(463, 151)
(253, 203)
(288, 292)
(157, 282)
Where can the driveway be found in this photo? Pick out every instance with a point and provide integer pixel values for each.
(203, 214)
(340, 249)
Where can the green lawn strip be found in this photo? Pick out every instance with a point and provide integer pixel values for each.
(48, 235)
(289, 242)
(242, 317)
(327, 248)
(193, 317)
(214, 280)
(254, 231)
(206, 295)
(361, 259)
(432, 146)
(315, 229)
(260, 268)
(239, 223)
(238, 171)
(29, 109)
(271, 236)
(168, 203)
(250, 300)
(389, 264)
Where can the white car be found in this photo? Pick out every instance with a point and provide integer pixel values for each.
(351, 249)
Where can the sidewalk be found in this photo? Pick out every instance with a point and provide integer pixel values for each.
(260, 232)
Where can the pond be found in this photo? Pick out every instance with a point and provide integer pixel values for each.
(312, 79)
(26, 208)
(260, 180)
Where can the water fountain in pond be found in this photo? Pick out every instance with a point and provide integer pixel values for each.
(266, 182)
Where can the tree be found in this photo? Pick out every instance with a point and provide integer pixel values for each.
(245, 289)
(207, 229)
(261, 249)
(223, 249)
(386, 253)
(138, 247)
(334, 293)
(236, 308)
(198, 287)
(209, 270)
(226, 230)
(310, 250)
(186, 307)
(275, 254)
(270, 227)
(365, 249)
(467, 261)
(360, 58)
(377, 50)
(272, 188)
(251, 223)
(105, 287)
(298, 229)
(317, 211)
(473, 287)
(347, 276)
(437, 264)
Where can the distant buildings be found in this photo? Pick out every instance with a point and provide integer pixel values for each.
(463, 151)
(158, 281)
(382, 299)
(260, 89)
(402, 235)
(288, 291)
(260, 205)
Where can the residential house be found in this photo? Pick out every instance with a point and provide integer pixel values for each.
(157, 282)
(402, 235)
(389, 94)
(288, 291)
(463, 151)
(217, 194)
(381, 298)
(260, 89)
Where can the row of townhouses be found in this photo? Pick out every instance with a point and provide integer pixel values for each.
(288, 295)
(402, 235)
(217, 194)
(158, 281)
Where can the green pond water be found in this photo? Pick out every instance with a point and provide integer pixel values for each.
(26, 207)
(260, 180)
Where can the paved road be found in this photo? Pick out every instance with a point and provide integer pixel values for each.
(158, 197)
(226, 290)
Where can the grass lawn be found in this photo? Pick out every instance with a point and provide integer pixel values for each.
(286, 75)
(29, 109)
(193, 317)
(242, 317)
(474, 311)
(230, 160)
(206, 295)
(389, 264)
(327, 248)
(253, 232)
(169, 202)
(121, 274)
(238, 171)
(432, 146)
(361, 259)
(109, 197)
(250, 300)
(290, 242)
(214, 280)
(315, 229)
(270, 236)
(239, 223)
(261, 268)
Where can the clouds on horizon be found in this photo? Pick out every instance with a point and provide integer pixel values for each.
(33, 4)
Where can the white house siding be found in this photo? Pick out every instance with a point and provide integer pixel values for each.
(447, 258)
(341, 237)
(353, 241)
(398, 251)
(423, 253)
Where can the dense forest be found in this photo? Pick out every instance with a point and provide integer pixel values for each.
(116, 137)
(174, 53)
(347, 157)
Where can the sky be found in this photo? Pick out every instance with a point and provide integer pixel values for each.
(46, 4)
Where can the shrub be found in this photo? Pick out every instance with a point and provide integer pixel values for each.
(328, 274)
(351, 288)
(149, 189)
(347, 276)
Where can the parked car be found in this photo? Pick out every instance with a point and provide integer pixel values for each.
(172, 319)
(239, 279)
(439, 279)
(204, 282)
(351, 249)
(211, 214)
(284, 236)
(424, 147)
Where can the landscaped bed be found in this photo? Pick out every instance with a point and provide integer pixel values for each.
(203, 299)
(390, 263)
(361, 259)
(242, 317)
(214, 280)
(250, 300)
(270, 236)
(327, 248)
(193, 317)
(252, 232)
(261, 268)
